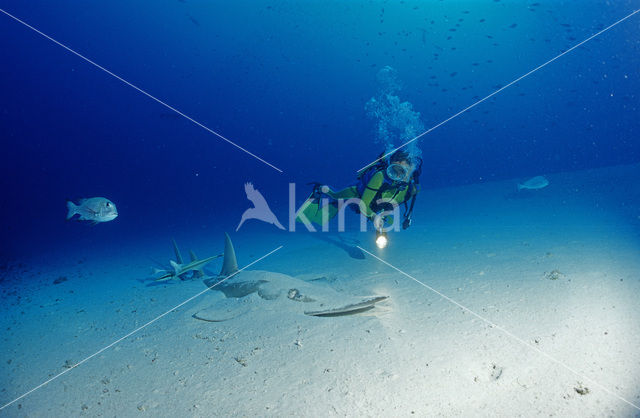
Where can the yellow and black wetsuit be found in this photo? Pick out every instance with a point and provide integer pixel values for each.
(375, 190)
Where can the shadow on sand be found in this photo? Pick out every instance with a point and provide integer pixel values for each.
(344, 243)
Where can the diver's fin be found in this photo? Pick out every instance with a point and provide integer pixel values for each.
(177, 251)
(230, 264)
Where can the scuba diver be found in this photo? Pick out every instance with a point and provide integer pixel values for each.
(381, 187)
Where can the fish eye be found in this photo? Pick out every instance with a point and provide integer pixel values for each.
(108, 204)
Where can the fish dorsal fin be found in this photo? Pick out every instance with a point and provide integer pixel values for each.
(177, 252)
(230, 264)
(177, 268)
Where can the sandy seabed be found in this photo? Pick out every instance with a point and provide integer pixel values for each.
(509, 304)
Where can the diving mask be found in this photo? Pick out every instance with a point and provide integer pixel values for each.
(398, 172)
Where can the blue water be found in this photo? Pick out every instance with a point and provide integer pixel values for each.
(289, 82)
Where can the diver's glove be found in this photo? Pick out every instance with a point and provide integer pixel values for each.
(315, 192)
(378, 222)
(382, 221)
(319, 190)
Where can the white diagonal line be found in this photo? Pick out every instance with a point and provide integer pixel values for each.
(500, 89)
(493, 325)
(173, 109)
(136, 330)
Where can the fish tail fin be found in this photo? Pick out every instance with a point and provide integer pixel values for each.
(72, 209)
(520, 187)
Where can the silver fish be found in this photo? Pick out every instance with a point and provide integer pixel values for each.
(534, 183)
(95, 209)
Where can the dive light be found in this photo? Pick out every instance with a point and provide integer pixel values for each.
(381, 239)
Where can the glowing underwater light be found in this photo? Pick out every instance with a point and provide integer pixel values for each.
(381, 240)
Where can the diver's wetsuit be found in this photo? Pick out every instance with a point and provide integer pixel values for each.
(374, 190)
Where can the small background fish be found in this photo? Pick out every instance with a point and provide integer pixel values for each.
(534, 183)
(95, 209)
